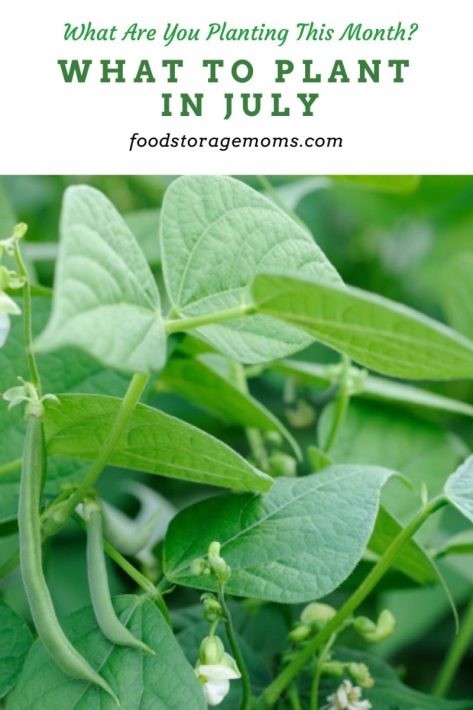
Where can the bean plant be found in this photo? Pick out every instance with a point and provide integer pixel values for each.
(263, 553)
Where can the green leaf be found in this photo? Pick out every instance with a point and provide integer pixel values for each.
(382, 183)
(379, 436)
(162, 682)
(200, 380)
(15, 641)
(412, 560)
(144, 224)
(376, 388)
(460, 544)
(295, 544)
(318, 459)
(106, 301)
(388, 693)
(153, 441)
(216, 234)
(378, 333)
(64, 371)
(458, 298)
(7, 215)
(459, 488)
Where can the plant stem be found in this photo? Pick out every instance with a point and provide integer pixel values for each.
(314, 691)
(245, 677)
(57, 516)
(293, 697)
(10, 467)
(341, 404)
(455, 654)
(27, 319)
(287, 675)
(180, 325)
(257, 447)
(253, 435)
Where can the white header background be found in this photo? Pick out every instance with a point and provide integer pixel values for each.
(420, 126)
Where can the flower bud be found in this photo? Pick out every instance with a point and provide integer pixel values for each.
(299, 633)
(20, 230)
(376, 632)
(302, 415)
(385, 626)
(211, 651)
(364, 626)
(10, 279)
(317, 613)
(212, 608)
(282, 465)
(273, 438)
(214, 550)
(361, 674)
(217, 564)
(333, 668)
(199, 567)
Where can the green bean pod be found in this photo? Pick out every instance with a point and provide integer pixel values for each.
(40, 602)
(125, 543)
(107, 620)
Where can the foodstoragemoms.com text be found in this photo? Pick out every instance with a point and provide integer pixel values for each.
(224, 143)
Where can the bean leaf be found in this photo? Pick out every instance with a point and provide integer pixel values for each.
(106, 301)
(412, 560)
(153, 441)
(459, 488)
(297, 543)
(15, 641)
(374, 387)
(459, 293)
(165, 681)
(199, 379)
(378, 436)
(67, 370)
(460, 544)
(378, 333)
(216, 234)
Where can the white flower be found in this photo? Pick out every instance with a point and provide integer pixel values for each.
(215, 676)
(7, 307)
(216, 679)
(348, 697)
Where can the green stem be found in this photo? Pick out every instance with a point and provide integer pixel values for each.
(314, 691)
(58, 516)
(246, 697)
(253, 435)
(181, 325)
(287, 675)
(341, 404)
(293, 697)
(10, 467)
(27, 319)
(455, 654)
(257, 447)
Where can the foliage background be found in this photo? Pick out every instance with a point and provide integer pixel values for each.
(396, 237)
